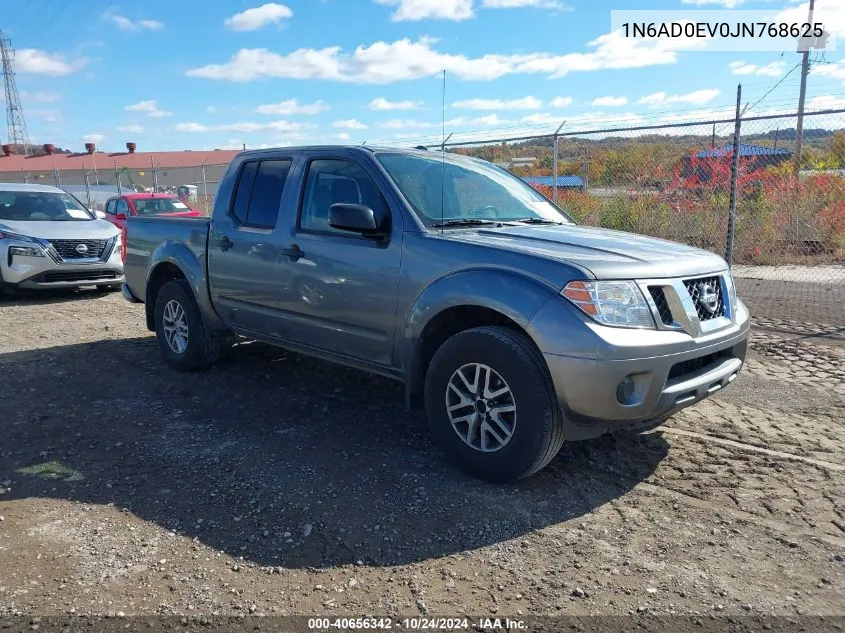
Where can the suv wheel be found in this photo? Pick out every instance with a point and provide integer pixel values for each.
(491, 404)
(185, 341)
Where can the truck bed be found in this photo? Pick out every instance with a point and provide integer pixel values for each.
(146, 235)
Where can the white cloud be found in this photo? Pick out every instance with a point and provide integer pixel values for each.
(38, 62)
(836, 71)
(773, 69)
(610, 102)
(41, 97)
(241, 127)
(343, 136)
(255, 18)
(131, 129)
(94, 137)
(490, 120)
(150, 108)
(561, 102)
(526, 103)
(350, 124)
(190, 127)
(830, 12)
(414, 10)
(380, 103)
(516, 4)
(696, 97)
(292, 106)
(826, 102)
(728, 4)
(125, 24)
(399, 124)
(387, 62)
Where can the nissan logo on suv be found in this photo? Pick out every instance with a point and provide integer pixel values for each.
(82, 249)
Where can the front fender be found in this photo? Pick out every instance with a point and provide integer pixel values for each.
(178, 254)
(515, 295)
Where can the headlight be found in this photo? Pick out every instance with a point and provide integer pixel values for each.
(616, 303)
(26, 251)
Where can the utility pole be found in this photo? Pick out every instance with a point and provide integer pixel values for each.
(729, 249)
(586, 168)
(554, 171)
(805, 70)
(18, 134)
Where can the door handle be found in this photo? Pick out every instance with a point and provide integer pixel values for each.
(294, 252)
(224, 242)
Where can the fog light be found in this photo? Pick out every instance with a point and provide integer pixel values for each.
(625, 389)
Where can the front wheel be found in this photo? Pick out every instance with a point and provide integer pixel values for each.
(184, 339)
(491, 404)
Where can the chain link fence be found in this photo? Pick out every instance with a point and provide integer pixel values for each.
(197, 185)
(786, 240)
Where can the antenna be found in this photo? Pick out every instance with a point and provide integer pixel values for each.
(443, 158)
(18, 134)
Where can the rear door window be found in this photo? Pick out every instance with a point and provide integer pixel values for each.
(259, 192)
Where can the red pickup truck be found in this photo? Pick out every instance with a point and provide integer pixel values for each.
(119, 208)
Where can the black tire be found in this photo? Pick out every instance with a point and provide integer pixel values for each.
(203, 346)
(538, 431)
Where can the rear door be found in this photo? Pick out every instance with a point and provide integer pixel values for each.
(243, 266)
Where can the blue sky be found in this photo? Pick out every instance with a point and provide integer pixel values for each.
(197, 75)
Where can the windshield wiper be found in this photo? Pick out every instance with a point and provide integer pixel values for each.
(535, 221)
(465, 222)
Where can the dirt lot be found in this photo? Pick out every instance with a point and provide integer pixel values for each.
(278, 484)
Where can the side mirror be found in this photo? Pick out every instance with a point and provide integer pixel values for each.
(100, 215)
(120, 216)
(355, 218)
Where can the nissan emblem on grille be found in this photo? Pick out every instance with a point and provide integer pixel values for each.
(708, 297)
(82, 249)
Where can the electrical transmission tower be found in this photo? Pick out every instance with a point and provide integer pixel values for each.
(14, 110)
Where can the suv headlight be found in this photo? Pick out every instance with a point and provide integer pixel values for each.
(26, 251)
(615, 303)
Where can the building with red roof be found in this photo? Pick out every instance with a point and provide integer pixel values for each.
(134, 169)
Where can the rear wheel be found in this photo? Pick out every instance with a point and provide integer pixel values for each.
(491, 404)
(185, 341)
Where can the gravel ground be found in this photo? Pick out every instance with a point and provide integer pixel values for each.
(278, 484)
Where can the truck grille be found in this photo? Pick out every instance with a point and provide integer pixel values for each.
(72, 249)
(662, 305)
(706, 293)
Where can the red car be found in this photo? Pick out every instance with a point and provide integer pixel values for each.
(118, 208)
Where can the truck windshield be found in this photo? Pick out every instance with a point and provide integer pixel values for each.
(153, 206)
(453, 191)
(41, 206)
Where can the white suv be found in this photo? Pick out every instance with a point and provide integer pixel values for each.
(48, 239)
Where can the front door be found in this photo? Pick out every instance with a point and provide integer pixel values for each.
(341, 288)
(243, 266)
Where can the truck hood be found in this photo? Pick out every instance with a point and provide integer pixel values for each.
(605, 253)
(62, 230)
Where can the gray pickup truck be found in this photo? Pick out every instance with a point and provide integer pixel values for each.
(514, 328)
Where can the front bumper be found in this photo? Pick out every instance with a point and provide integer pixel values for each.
(50, 271)
(670, 370)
